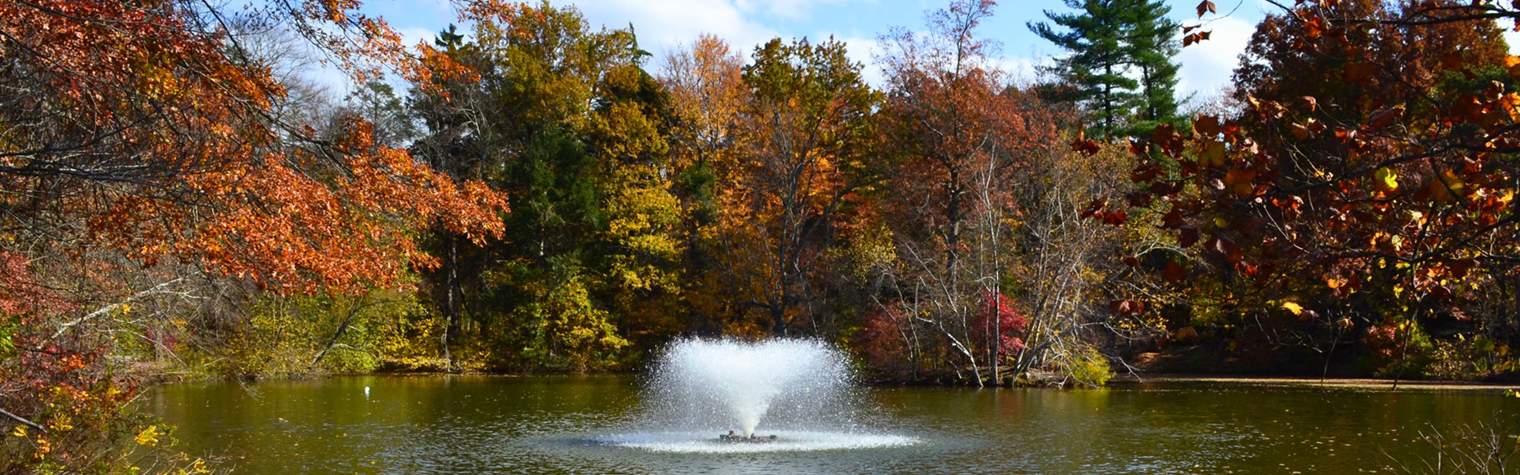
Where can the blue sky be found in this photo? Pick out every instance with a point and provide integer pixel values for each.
(665, 25)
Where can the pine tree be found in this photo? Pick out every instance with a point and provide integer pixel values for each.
(1111, 42)
(1094, 71)
(1152, 42)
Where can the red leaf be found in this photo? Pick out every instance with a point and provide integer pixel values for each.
(1082, 144)
(1126, 307)
(1174, 272)
(1116, 218)
(1460, 268)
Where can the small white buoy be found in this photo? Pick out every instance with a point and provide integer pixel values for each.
(366, 392)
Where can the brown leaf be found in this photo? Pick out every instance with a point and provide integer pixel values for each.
(1226, 247)
(1166, 137)
(1206, 125)
(1093, 208)
(1385, 117)
(1172, 219)
(1355, 73)
(1197, 37)
(1452, 60)
(1187, 236)
(1300, 131)
(1206, 7)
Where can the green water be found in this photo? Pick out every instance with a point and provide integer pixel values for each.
(480, 424)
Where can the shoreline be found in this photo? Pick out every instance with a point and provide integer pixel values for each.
(1302, 382)
(1119, 380)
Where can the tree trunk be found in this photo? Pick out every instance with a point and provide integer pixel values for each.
(450, 300)
(352, 310)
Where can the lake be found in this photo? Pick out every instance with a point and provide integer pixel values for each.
(563, 424)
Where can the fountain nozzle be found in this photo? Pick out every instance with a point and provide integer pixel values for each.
(732, 436)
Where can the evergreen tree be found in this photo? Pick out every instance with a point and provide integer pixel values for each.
(1111, 42)
(1151, 46)
(1094, 72)
(567, 123)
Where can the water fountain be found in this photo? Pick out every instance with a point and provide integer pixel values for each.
(734, 396)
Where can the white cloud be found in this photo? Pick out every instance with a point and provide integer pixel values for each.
(863, 51)
(1206, 66)
(1024, 70)
(414, 35)
(666, 25)
(1511, 37)
(789, 9)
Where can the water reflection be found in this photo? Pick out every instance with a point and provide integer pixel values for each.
(478, 424)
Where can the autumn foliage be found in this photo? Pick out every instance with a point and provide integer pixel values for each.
(137, 143)
(174, 201)
(1365, 184)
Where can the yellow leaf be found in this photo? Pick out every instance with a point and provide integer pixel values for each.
(1213, 154)
(20, 431)
(1293, 307)
(1385, 179)
(148, 437)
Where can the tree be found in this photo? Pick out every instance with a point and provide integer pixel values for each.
(961, 138)
(1367, 185)
(566, 121)
(707, 93)
(1095, 70)
(1110, 42)
(808, 125)
(1152, 44)
(376, 102)
(141, 155)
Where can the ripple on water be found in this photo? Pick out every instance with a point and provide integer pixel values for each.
(786, 441)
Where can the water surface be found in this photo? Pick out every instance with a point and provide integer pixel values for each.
(485, 424)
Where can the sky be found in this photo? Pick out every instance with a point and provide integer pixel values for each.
(667, 25)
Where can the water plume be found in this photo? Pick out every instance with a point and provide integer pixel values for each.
(775, 395)
(713, 384)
